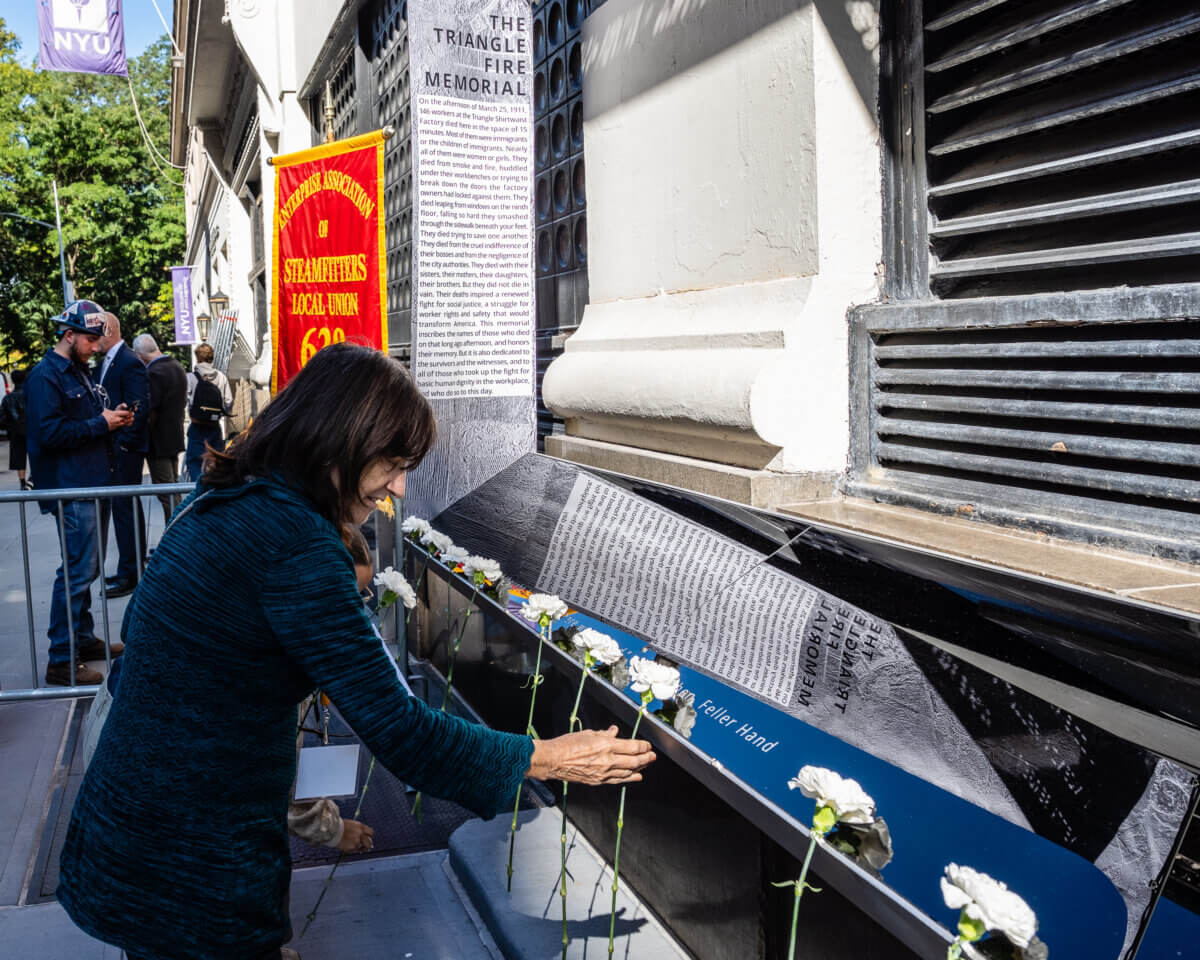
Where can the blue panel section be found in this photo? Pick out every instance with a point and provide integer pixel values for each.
(1080, 912)
(1173, 934)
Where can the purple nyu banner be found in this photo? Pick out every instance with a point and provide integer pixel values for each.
(185, 325)
(83, 36)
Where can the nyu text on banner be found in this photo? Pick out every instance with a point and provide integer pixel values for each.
(181, 286)
(329, 272)
(81, 36)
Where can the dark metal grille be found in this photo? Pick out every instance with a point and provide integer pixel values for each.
(1062, 144)
(345, 102)
(388, 52)
(1092, 423)
(1038, 359)
(248, 138)
(560, 194)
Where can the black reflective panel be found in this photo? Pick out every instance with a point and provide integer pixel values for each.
(1039, 733)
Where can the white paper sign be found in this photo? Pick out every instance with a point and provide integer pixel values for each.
(471, 68)
(327, 772)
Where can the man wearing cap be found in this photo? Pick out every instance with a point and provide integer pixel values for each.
(68, 435)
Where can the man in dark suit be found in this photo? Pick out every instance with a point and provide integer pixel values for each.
(168, 398)
(123, 379)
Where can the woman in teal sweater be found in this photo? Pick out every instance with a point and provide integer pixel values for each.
(178, 845)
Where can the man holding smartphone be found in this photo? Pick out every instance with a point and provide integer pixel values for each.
(68, 429)
(123, 379)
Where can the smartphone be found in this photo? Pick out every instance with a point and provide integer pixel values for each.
(133, 409)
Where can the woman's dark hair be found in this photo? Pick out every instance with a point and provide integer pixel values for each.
(18, 375)
(349, 406)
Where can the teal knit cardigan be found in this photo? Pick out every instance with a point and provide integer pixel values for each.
(178, 843)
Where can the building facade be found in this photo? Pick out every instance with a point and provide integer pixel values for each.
(926, 253)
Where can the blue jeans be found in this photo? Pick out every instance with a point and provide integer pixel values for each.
(197, 436)
(125, 511)
(79, 540)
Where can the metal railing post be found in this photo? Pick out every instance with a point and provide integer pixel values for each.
(137, 538)
(29, 599)
(103, 585)
(66, 569)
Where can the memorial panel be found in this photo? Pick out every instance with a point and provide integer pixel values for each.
(471, 76)
(805, 646)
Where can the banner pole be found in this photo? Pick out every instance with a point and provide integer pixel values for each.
(62, 260)
(329, 136)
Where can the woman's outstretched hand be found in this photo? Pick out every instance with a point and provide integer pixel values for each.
(590, 756)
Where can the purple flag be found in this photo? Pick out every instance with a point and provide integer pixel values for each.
(84, 36)
(185, 323)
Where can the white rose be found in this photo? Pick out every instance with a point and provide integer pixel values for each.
(989, 902)
(489, 568)
(849, 802)
(658, 678)
(415, 525)
(454, 555)
(394, 584)
(603, 648)
(541, 605)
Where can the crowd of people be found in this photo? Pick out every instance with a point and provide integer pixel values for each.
(89, 421)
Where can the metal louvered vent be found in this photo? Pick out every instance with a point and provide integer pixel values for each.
(1036, 361)
(1062, 144)
(345, 102)
(1082, 420)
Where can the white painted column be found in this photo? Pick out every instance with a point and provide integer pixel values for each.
(734, 216)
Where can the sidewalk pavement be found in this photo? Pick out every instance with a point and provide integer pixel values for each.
(411, 903)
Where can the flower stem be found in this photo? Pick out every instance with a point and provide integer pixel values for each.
(416, 589)
(612, 913)
(454, 650)
(312, 914)
(798, 887)
(416, 807)
(537, 679)
(954, 951)
(562, 875)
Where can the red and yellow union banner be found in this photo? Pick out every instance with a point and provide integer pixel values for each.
(329, 275)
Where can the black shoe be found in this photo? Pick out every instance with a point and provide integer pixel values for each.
(116, 587)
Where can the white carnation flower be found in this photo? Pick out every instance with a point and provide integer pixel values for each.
(541, 606)
(476, 564)
(395, 587)
(990, 903)
(438, 541)
(849, 802)
(660, 679)
(454, 555)
(603, 648)
(415, 525)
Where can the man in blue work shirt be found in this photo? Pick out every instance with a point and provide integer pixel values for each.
(68, 429)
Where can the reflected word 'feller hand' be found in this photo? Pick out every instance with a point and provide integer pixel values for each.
(590, 756)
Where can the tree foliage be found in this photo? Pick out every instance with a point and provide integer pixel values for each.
(122, 216)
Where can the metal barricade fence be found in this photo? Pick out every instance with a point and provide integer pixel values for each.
(388, 547)
(98, 496)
